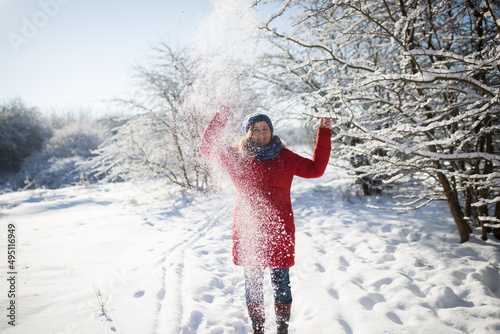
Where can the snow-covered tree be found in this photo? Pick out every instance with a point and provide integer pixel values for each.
(413, 86)
(175, 99)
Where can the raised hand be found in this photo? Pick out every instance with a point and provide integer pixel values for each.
(325, 123)
(225, 110)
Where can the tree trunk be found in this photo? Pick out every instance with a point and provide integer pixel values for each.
(456, 210)
(496, 231)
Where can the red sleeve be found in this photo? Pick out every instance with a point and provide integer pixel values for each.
(316, 167)
(208, 144)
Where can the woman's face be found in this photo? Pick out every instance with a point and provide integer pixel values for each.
(261, 134)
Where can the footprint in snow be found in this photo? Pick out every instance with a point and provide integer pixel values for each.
(195, 319)
(346, 326)
(161, 294)
(369, 301)
(139, 294)
(333, 293)
(217, 283)
(394, 318)
(381, 282)
(343, 264)
(319, 267)
(208, 298)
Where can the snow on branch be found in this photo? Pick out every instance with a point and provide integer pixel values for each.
(485, 201)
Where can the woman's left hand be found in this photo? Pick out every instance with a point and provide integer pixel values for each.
(325, 123)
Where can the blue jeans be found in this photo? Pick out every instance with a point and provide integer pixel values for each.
(254, 286)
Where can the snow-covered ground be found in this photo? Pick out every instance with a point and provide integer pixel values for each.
(162, 264)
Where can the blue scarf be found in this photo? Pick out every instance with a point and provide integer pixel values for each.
(267, 152)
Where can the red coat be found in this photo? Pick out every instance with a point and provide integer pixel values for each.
(263, 225)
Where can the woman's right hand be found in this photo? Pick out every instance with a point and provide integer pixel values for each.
(225, 110)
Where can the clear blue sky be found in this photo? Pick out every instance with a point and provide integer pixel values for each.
(72, 54)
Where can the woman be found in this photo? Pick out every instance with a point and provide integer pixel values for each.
(262, 169)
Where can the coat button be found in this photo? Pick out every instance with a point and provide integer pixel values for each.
(268, 168)
(269, 193)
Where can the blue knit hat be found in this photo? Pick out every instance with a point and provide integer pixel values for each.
(254, 118)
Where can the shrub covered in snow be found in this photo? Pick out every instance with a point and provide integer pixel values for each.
(62, 159)
(22, 132)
